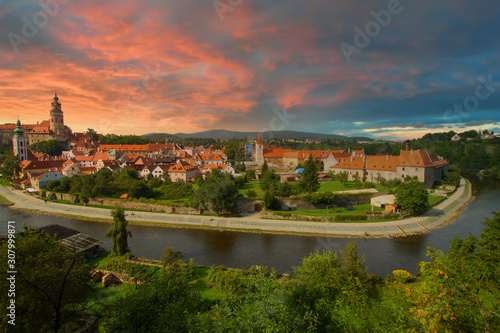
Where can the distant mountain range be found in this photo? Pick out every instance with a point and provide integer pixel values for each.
(226, 134)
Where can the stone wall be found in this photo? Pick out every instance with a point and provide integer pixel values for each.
(341, 200)
(297, 217)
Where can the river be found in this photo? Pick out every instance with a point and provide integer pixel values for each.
(242, 250)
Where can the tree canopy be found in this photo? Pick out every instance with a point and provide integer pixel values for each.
(51, 283)
(411, 195)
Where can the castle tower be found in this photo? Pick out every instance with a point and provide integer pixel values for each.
(56, 117)
(259, 151)
(20, 143)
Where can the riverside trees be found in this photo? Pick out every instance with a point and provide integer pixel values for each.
(119, 232)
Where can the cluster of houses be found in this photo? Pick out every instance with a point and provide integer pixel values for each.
(157, 160)
(427, 167)
(86, 156)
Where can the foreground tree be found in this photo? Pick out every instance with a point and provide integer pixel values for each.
(411, 195)
(119, 232)
(460, 290)
(164, 305)
(51, 283)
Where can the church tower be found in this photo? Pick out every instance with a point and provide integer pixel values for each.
(20, 143)
(259, 151)
(56, 117)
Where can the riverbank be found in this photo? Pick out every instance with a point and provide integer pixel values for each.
(433, 218)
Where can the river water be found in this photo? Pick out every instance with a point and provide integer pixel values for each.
(242, 250)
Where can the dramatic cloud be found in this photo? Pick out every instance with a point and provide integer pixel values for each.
(185, 66)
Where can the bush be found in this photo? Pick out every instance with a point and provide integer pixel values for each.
(251, 194)
(171, 256)
(368, 185)
(322, 198)
(402, 276)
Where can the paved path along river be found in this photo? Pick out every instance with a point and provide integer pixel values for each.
(433, 218)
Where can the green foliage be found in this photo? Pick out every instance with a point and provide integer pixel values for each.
(234, 150)
(402, 276)
(452, 178)
(343, 177)
(460, 290)
(284, 189)
(220, 192)
(322, 198)
(250, 175)
(140, 190)
(270, 201)
(411, 195)
(50, 285)
(309, 181)
(170, 256)
(119, 232)
(92, 134)
(10, 167)
(164, 305)
(50, 147)
(251, 193)
(268, 178)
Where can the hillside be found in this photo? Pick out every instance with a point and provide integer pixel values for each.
(226, 134)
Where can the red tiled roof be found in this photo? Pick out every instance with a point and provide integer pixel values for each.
(382, 162)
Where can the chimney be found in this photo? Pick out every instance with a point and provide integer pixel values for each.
(387, 157)
(349, 150)
(351, 158)
(407, 144)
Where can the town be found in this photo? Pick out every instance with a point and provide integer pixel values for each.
(86, 155)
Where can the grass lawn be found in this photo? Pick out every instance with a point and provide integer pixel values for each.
(251, 186)
(335, 185)
(357, 210)
(433, 198)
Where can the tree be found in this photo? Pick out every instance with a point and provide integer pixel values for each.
(251, 175)
(119, 232)
(170, 256)
(50, 147)
(309, 181)
(10, 167)
(270, 201)
(343, 176)
(163, 305)
(140, 190)
(51, 283)
(92, 134)
(411, 195)
(234, 150)
(220, 192)
(460, 290)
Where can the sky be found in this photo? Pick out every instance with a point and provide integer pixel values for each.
(388, 69)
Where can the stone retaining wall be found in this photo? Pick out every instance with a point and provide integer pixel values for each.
(297, 217)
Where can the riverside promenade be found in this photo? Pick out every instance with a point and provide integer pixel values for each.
(433, 218)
